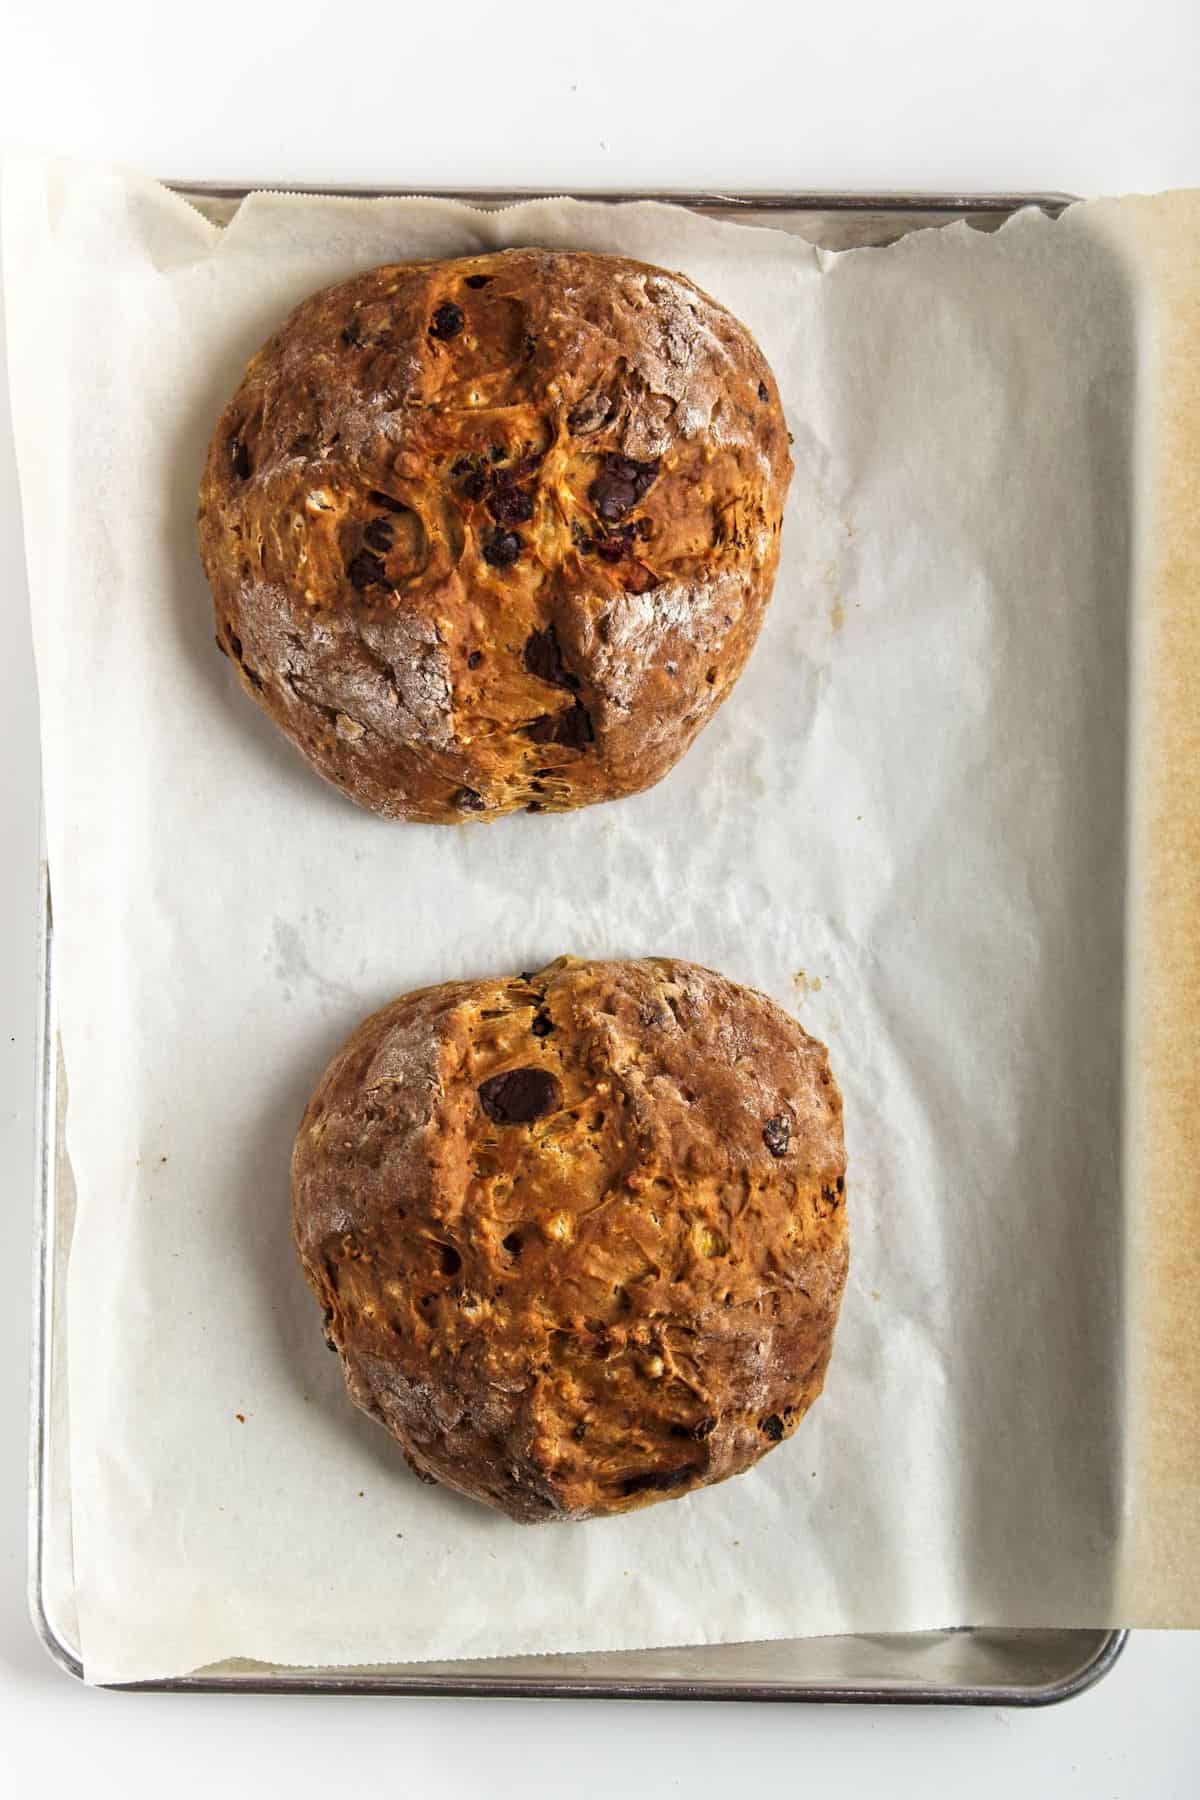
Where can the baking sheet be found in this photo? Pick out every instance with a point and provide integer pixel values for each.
(914, 833)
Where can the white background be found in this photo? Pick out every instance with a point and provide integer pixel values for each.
(1100, 97)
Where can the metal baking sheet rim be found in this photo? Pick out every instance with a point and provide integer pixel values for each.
(1079, 1658)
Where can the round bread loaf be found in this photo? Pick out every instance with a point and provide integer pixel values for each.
(496, 533)
(580, 1236)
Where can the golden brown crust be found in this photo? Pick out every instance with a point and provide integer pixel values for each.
(498, 532)
(580, 1236)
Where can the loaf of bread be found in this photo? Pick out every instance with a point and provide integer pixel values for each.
(496, 533)
(579, 1236)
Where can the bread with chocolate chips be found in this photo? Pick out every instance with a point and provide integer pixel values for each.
(579, 1236)
(496, 533)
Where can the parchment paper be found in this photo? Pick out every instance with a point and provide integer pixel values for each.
(908, 824)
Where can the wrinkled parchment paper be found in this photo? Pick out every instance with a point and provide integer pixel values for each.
(908, 824)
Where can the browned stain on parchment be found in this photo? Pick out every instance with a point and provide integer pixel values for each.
(1160, 1565)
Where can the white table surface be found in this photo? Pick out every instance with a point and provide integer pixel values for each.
(1099, 97)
